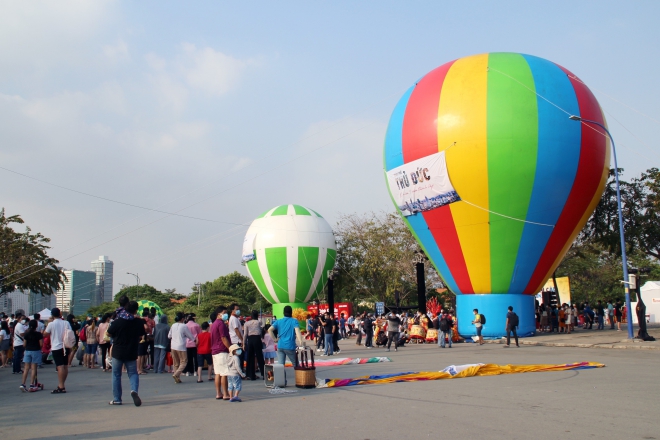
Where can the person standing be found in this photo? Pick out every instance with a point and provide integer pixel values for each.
(342, 326)
(19, 343)
(269, 346)
(393, 323)
(161, 343)
(329, 328)
(288, 333)
(33, 343)
(253, 346)
(478, 326)
(104, 339)
(220, 352)
(89, 359)
(610, 313)
(600, 315)
(57, 330)
(618, 314)
(235, 373)
(511, 324)
(235, 328)
(5, 343)
(75, 326)
(446, 323)
(191, 346)
(178, 334)
(368, 325)
(358, 328)
(203, 341)
(126, 335)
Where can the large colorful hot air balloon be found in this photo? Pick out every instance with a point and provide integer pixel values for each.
(494, 179)
(288, 251)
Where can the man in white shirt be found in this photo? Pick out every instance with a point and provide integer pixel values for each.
(19, 345)
(235, 329)
(56, 331)
(179, 332)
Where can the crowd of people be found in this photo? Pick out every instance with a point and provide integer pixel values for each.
(231, 347)
(566, 318)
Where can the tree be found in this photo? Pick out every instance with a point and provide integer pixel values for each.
(640, 200)
(24, 261)
(374, 255)
(235, 286)
(593, 263)
(148, 293)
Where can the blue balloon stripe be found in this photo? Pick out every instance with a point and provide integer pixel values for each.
(557, 160)
(394, 136)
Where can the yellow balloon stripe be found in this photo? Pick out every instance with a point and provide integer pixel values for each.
(462, 119)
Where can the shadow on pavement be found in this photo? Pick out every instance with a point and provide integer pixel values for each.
(104, 434)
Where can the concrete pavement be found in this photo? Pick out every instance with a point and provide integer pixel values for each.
(617, 401)
(592, 339)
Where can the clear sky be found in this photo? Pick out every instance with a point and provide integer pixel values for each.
(237, 108)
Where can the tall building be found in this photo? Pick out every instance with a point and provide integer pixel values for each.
(103, 268)
(79, 292)
(39, 302)
(10, 302)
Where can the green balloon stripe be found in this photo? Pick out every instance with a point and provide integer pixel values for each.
(258, 278)
(276, 263)
(308, 259)
(513, 169)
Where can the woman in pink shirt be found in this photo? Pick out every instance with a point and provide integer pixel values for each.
(191, 347)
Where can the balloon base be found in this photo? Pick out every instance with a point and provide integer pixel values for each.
(278, 311)
(494, 307)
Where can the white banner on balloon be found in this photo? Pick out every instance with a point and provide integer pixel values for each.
(248, 248)
(422, 185)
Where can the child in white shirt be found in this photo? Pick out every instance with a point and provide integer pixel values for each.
(234, 379)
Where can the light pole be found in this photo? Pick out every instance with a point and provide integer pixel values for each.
(624, 259)
(137, 280)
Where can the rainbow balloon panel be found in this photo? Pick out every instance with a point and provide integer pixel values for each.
(527, 176)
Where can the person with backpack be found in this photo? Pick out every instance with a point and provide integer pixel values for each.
(445, 323)
(512, 322)
(62, 339)
(479, 321)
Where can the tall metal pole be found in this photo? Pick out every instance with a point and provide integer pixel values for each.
(137, 280)
(621, 234)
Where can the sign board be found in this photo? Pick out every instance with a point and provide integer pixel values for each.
(380, 308)
(422, 185)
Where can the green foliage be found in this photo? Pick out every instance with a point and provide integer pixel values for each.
(640, 200)
(239, 288)
(24, 261)
(593, 263)
(374, 255)
(101, 309)
(149, 293)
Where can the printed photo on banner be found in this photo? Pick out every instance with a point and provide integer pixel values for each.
(422, 185)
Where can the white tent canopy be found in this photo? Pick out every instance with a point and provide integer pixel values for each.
(650, 293)
(45, 314)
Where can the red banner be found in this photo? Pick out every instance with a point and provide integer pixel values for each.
(345, 308)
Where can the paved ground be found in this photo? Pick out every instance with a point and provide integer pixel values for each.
(619, 401)
(595, 339)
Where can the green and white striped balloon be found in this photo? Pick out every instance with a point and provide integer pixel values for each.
(288, 252)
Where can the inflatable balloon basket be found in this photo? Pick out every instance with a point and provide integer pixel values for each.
(494, 307)
(305, 371)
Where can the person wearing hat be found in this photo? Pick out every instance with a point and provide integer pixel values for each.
(236, 375)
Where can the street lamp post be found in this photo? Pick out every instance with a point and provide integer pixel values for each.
(621, 234)
(137, 280)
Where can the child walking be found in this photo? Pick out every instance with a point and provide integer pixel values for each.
(234, 379)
